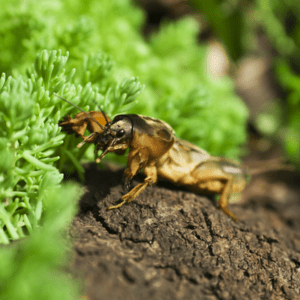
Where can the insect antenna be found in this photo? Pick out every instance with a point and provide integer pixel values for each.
(89, 115)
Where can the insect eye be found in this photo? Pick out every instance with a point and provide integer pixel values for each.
(120, 133)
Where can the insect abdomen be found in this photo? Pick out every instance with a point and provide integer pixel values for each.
(189, 166)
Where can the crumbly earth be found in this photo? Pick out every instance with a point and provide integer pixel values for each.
(170, 243)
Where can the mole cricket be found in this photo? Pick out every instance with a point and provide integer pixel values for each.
(154, 147)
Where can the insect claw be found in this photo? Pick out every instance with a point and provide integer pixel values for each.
(229, 213)
(125, 199)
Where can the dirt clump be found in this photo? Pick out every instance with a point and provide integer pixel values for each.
(170, 243)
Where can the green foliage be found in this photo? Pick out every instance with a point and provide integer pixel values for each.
(291, 82)
(33, 268)
(27, 161)
(237, 26)
(201, 108)
(280, 20)
(226, 20)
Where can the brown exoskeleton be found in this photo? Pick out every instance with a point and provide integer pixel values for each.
(154, 147)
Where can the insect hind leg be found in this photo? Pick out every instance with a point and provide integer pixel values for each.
(223, 202)
(211, 178)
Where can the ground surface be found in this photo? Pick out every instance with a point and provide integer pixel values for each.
(173, 244)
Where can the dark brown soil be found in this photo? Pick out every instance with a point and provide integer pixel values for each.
(172, 244)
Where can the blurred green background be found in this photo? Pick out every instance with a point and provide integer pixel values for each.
(268, 32)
